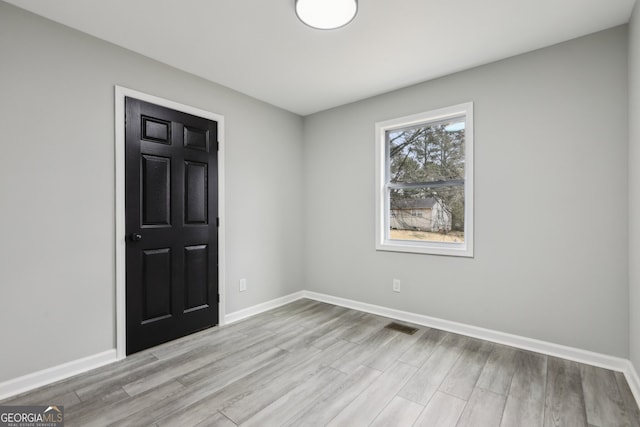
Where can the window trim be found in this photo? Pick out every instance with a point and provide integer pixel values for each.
(383, 242)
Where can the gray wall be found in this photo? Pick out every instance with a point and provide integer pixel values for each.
(634, 186)
(57, 282)
(551, 136)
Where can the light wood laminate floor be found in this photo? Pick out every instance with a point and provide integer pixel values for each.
(315, 364)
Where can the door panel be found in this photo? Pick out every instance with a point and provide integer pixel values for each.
(156, 130)
(196, 139)
(171, 204)
(196, 273)
(156, 190)
(156, 283)
(195, 194)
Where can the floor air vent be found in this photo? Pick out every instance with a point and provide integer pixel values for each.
(401, 328)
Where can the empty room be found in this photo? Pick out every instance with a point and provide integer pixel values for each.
(314, 212)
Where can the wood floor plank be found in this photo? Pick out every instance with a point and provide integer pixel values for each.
(68, 400)
(366, 407)
(208, 395)
(530, 376)
(50, 397)
(118, 413)
(277, 320)
(96, 403)
(428, 378)
(443, 410)
(292, 308)
(335, 398)
(205, 399)
(630, 405)
(211, 355)
(484, 408)
(602, 400)
(284, 337)
(258, 321)
(224, 372)
(192, 342)
(115, 381)
(110, 395)
(44, 395)
(526, 398)
(522, 413)
(389, 352)
(361, 353)
(420, 351)
(244, 407)
(291, 404)
(216, 420)
(367, 326)
(464, 374)
(498, 372)
(340, 330)
(288, 311)
(317, 310)
(399, 412)
(564, 402)
(310, 334)
(327, 314)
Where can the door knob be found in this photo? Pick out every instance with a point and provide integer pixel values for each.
(135, 237)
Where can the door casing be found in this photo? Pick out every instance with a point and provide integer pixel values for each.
(120, 243)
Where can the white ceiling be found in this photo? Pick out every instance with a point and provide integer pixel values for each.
(259, 47)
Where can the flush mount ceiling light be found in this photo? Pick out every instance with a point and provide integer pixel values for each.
(326, 14)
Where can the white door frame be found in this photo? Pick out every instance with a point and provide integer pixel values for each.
(120, 243)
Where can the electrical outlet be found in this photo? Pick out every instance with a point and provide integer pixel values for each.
(243, 285)
(396, 285)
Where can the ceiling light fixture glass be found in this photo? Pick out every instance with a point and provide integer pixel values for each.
(326, 14)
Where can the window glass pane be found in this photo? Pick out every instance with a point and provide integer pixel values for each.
(430, 152)
(427, 214)
(424, 179)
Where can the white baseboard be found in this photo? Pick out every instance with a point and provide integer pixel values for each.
(37, 379)
(544, 347)
(265, 306)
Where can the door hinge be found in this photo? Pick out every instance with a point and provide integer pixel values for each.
(218, 297)
(217, 221)
(217, 145)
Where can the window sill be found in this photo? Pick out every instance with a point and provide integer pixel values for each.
(429, 248)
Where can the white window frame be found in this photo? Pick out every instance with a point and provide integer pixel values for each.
(383, 241)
